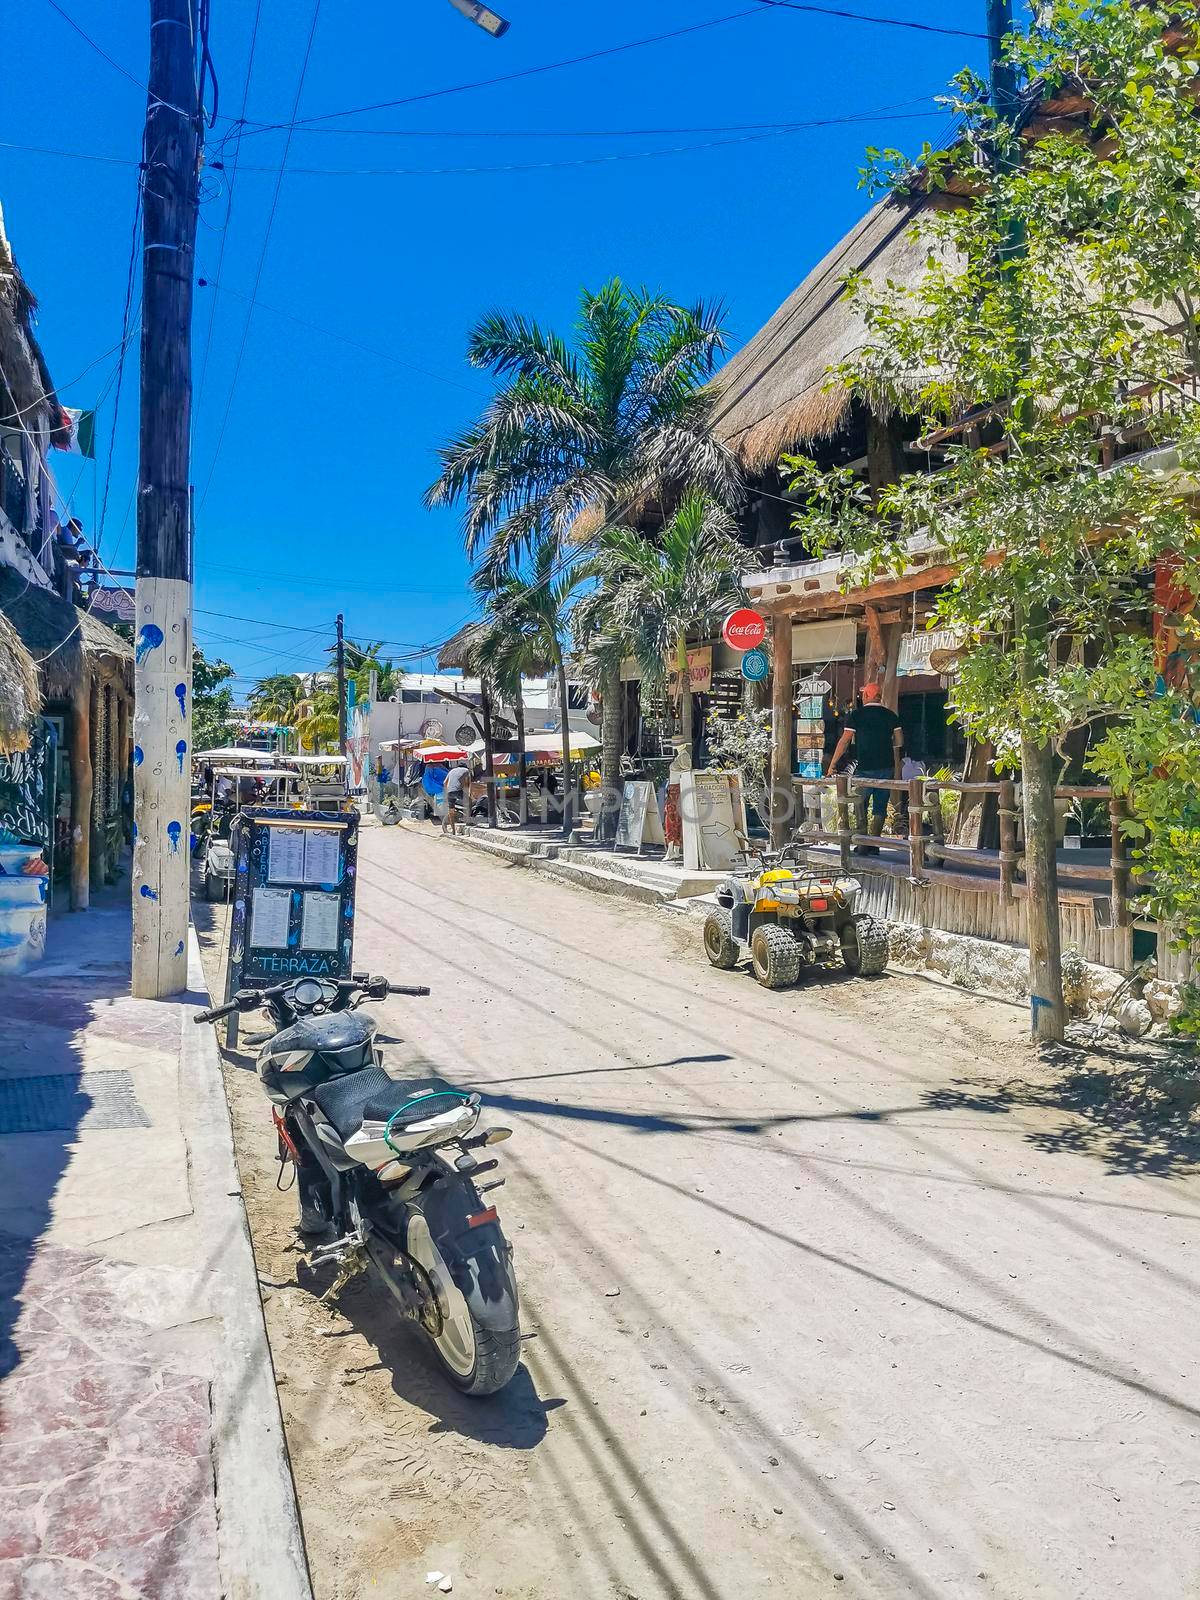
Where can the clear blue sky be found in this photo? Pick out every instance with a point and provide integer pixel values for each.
(313, 503)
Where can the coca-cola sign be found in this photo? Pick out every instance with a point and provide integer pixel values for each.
(744, 630)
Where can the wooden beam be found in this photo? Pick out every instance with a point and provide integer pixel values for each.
(804, 605)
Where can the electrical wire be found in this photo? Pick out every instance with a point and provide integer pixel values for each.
(511, 77)
(99, 49)
(125, 341)
(262, 255)
(882, 22)
(228, 216)
(588, 161)
(342, 338)
(760, 131)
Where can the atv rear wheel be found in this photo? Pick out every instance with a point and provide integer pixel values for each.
(864, 946)
(214, 888)
(720, 946)
(775, 956)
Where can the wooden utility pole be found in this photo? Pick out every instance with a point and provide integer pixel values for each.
(162, 730)
(782, 726)
(341, 683)
(1047, 1011)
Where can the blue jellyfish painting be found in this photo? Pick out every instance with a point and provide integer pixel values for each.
(180, 752)
(181, 696)
(139, 755)
(149, 638)
(147, 893)
(174, 833)
(179, 948)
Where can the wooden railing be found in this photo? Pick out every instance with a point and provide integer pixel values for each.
(925, 838)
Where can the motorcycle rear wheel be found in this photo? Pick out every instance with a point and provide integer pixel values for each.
(476, 1358)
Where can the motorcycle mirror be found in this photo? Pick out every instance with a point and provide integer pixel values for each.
(497, 1135)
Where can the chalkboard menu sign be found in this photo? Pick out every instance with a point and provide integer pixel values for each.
(293, 898)
(27, 791)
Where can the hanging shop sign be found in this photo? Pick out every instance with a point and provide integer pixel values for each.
(925, 653)
(755, 665)
(293, 898)
(744, 629)
(699, 671)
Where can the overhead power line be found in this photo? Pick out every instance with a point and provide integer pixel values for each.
(228, 216)
(512, 77)
(342, 338)
(881, 22)
(760, 132)
(262, 255)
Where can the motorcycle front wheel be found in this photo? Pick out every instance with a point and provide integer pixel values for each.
(478, 1337)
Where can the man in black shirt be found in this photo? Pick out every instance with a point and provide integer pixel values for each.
(878, 742)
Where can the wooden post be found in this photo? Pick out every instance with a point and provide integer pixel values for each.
(163, 624)
(489, 757)
(782, 799)
(81, 793)
(1122, 914)
(1008, 838)
(98, 729)
(934, 850)
(916, 828)
(876, 656)
(842, 818)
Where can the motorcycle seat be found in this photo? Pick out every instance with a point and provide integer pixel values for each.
(371, 1096)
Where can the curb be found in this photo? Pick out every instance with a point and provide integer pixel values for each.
(260, 1543)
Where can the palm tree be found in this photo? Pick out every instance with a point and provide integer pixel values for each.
(654, 592)
(275, 698)
(526, 622)
(585, 434)
(510, 647)
(317, 719)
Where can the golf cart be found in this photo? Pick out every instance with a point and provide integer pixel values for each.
(275, 786)
(781, 915)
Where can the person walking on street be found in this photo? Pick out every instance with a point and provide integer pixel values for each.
(878, 742)
(458, 781)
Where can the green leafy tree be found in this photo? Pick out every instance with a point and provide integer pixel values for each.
(362, 660)
(652, 592)
(1059, 306)
(582, 431)
(212, 701)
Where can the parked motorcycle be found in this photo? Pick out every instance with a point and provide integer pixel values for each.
(390, 1166)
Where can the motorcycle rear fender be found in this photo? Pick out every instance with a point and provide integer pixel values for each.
(477, 1258)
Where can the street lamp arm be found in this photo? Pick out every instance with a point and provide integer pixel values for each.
(482, 16)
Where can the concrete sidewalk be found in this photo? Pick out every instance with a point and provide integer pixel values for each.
(141, 1450)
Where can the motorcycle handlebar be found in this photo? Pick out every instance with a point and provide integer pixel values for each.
(247, 998)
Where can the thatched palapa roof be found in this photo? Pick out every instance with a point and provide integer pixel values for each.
(774, 395)
(57, 634)
(459, 650)
(20, 695)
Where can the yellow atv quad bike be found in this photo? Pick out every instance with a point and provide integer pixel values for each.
(784, 915)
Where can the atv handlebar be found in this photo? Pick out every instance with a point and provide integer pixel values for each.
(375, 988)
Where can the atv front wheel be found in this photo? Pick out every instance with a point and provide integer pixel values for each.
(720, 946)
(864, 946)
(775, 956)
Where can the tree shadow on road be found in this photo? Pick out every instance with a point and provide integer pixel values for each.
(514, 1419)
(1135, 1107)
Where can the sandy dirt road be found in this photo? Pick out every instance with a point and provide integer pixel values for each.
(832, 1292)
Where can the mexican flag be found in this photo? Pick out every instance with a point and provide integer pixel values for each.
(83, 433)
